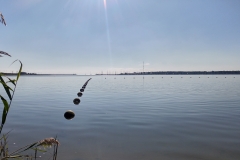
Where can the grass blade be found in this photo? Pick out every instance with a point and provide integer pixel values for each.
(20, 70)
(12, 81)
(5, 109)
(6, 87)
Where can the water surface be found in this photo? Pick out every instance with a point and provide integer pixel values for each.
(128, 117)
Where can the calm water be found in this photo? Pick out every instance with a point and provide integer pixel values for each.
(130, 119)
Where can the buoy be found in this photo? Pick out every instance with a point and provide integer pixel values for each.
(69, 115)
(79, 94)
(76, 101)
(82, 90)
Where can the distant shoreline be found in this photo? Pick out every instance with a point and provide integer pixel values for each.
(139, 73)
(179, 73)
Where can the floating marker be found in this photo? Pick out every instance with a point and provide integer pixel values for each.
(79, 94)
(69, 115)
(76, 101)
(82, 90)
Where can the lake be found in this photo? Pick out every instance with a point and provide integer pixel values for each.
(170, 117)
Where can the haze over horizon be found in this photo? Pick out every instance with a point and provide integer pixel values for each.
(95, 36)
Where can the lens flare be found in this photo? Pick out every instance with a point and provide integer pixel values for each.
(108, 33)
(105, 3)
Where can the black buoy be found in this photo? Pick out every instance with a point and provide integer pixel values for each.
(79, 94)
(69, 115)
(76, 101)
(82, 90)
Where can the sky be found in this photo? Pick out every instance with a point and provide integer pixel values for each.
(108, 36)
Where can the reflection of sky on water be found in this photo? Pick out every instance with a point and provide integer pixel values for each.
(150, 118)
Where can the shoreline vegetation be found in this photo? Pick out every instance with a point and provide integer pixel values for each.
(140, 73)
(9, 86)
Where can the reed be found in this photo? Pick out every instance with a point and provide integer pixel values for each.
(4, 53)
(36, 146)
(20, 153)
(2, 20)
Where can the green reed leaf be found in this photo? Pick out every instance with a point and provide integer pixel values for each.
(40, 150)
(32, 145)
(6, 87)
(5, 84)
(5, 109)
(12, 81)
(20, 70)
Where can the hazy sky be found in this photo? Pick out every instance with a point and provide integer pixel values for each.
(84, 36)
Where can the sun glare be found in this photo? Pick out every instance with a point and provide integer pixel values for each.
(105, 3)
